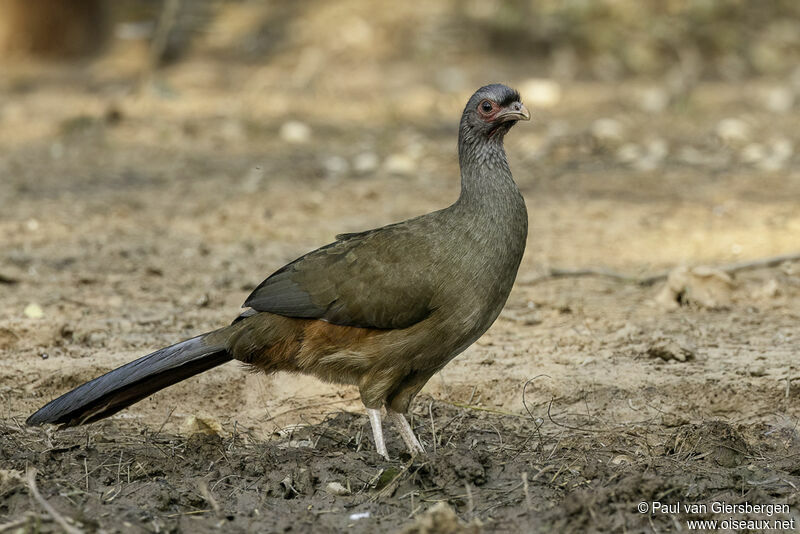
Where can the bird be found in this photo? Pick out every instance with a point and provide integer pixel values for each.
(383, 310)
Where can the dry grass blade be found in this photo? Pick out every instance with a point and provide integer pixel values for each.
(526, 490)
(17, 524)
(433, 426)
(166, 22)
(30, 477)
(482, 409)
(524, 401)
(556, 273)
(209, 498)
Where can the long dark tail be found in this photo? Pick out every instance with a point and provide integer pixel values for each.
(118, 389)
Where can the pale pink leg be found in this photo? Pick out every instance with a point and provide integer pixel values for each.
(377, 431)
(413, 444)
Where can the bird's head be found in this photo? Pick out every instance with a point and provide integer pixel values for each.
(492, 111)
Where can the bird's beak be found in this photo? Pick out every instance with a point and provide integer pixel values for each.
(514, 112)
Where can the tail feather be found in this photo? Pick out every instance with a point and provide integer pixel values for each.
(126, 385)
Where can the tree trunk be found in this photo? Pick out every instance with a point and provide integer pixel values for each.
(52, 28)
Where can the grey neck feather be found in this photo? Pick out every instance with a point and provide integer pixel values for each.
(485, 175)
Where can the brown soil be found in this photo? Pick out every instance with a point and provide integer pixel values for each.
(132, 221)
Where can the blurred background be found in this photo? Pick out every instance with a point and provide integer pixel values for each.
(158, 159)
(648, 98)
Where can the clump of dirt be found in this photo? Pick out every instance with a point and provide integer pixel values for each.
(717, 440)
(440, 519)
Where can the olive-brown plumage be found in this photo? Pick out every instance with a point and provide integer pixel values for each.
(383, 309)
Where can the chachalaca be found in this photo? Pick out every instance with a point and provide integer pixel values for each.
(383, 309)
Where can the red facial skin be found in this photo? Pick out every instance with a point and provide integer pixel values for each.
(491, 116)
(488, 116)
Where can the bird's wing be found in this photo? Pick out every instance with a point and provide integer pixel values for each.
(374, 279)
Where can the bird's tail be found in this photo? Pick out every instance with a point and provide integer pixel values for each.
(117, 389)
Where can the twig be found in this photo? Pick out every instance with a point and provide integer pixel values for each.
(499, 436)
(16, 523)
(169, 414)
(30, 476)
(6, 279)
(526, 490)
(166, 22)
(562, 425)
(482, 409)
(773, 261)
(537, 422)
(472, 395)
(306, 406)
(556, 273)
(209, 498)
(470, 502)
(524, 403)
(433, 425)
(192, 512)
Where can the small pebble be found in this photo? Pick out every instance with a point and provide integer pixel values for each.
(778, 99)
(400, 164)
(33, 311)
(656, 151)
(782, 148)
(336, 165)
(781, 151)
(753, 153)
(733, 131)
(608, 130)
(657, 148)
(295, 132)
(540, 92)
(366, 162)
(335, 488)
(653, 99)
(629, 152)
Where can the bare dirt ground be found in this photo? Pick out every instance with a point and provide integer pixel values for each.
(131, 221)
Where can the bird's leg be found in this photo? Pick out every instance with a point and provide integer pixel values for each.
(377, 431)
(406, 432)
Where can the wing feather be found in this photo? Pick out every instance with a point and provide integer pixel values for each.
(373, 279)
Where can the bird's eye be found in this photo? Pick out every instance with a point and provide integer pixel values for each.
(486, 106)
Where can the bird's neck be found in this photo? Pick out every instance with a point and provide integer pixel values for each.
(486, 181)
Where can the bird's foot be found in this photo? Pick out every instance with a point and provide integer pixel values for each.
(406, 432)
(377, 431)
